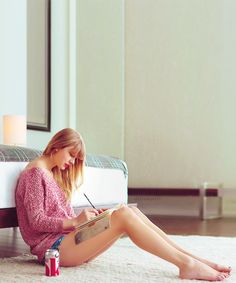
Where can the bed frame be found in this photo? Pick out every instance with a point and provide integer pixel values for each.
(8, 217)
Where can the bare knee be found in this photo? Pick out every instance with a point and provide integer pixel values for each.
(124, 211)
(121, 216)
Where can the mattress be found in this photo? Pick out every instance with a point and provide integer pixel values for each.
(105, 178)
(103, 186)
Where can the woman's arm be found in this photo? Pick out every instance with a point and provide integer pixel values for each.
(34, 198)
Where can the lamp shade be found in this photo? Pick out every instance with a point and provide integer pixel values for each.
(14, 129)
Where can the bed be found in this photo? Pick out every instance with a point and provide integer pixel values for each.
(105, 181)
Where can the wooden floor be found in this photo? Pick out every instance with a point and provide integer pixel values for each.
(12, 244)
(224, 227)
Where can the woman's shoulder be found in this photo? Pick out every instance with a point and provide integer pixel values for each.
(31, 173)
(27, 178)
(32, 177)
(36, 168)
(30, 170)
(35, 173)
(36, 163)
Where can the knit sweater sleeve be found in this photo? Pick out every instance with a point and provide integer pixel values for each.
(34, 203)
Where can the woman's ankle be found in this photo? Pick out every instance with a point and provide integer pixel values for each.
(186, 263)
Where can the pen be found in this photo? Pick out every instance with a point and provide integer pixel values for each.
(90, 201)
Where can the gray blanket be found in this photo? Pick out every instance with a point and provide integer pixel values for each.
(23, 154)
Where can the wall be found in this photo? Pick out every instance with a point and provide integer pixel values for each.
(180, 125)
(87, 74)
(100, 76)
(13, 58)
(87, 83)
(179, 103)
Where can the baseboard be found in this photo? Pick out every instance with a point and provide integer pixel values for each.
(209, 192)
(180, 201)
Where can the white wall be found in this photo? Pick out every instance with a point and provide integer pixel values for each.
(180, 125)
(100, 76)
(12, 58)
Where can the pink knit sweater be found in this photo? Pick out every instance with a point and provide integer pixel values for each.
(41, 208)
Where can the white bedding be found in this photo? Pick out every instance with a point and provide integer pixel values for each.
(103, 186)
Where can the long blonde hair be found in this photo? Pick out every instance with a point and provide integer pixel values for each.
(72, 177)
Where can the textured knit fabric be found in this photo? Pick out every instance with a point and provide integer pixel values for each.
(41, 208)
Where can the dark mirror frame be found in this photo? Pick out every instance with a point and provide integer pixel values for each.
(45, 123)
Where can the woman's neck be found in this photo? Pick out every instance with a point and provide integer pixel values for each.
(46, 162)
(43, 162)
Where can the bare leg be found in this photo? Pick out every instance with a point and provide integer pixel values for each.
(126, 221)
(101, 251)
(73, 255)
(165, 237)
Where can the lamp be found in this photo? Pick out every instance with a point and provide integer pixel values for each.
(14, 130)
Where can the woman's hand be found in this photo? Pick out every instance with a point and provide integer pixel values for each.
(102, 210)
(85, 215)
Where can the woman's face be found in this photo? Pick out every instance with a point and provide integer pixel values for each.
(65, 157)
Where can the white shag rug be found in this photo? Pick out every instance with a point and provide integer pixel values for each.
(124, 262)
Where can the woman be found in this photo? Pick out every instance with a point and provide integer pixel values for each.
(46, 218)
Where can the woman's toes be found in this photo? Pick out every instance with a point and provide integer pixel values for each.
(222, 276)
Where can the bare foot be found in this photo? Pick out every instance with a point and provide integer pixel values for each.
(217, 267)
(201, 271)
(213, 265)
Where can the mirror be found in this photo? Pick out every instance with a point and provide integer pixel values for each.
(38, 65)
